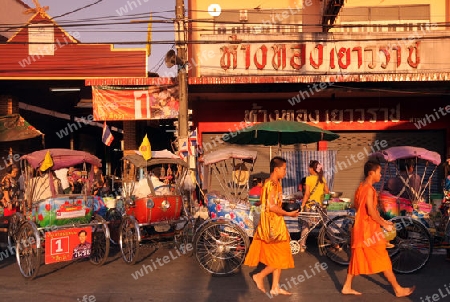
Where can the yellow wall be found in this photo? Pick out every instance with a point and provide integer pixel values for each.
(437, 7)
(312, 10)
(198, 11)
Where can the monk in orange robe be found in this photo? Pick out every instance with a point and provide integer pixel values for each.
(275, 255)
(369, 254)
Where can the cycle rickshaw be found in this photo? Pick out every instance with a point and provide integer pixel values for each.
(153, 211)
(410, 209)
(221, 242)
(61, 227)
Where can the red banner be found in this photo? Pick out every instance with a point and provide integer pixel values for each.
(147, 103)
(67, 244)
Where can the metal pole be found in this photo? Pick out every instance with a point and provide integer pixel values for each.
(182, 74)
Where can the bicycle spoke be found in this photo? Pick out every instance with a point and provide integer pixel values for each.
(412, 246)
(334, 239)
(220, 247)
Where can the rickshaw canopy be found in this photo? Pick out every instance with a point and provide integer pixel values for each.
(62, 158)
(227, 153)
(405, 152)
(158, 157)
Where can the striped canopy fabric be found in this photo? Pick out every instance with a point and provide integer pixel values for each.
(298, 163)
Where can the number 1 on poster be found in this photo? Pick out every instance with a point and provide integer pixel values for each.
(60, 245)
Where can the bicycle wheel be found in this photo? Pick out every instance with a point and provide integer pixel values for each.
(15, 221)
(412, 246)
(129, 239)
(447, 232)
(220, 247)
(114, 219)
(335, 239)
(100, 241)
(28, 250)
(184, 239)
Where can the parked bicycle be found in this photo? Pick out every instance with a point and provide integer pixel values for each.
(334, 235)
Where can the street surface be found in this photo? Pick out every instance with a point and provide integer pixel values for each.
(182, 279)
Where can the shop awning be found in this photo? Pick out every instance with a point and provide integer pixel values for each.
(14, 128)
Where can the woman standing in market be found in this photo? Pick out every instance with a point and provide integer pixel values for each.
(369, 254)
(275, 254)
(99, 181)
(10, 190)
(315, 189)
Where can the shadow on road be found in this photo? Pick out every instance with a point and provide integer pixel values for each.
(237, 288)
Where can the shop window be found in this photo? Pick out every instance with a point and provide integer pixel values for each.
(222, 30)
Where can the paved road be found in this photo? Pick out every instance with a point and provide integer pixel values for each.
(182, 279)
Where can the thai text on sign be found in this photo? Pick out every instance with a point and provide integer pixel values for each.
(297, 56)
(336, 116)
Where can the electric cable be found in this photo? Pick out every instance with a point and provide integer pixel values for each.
(78, 9)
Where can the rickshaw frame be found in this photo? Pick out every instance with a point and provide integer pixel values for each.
(21, 226)
(135, 221)
(221, 243)
(415, 238)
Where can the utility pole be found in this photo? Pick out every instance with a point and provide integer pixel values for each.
(180, 41)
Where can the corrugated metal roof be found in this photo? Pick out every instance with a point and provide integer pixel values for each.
(70, 58)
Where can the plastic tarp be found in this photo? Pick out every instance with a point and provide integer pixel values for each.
(15, 128)
(227, 153)
(62, 158)
(404, 152)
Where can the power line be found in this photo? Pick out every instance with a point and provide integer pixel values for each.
(160, 62)
(272, 40)
(78, 9)
(91, 22)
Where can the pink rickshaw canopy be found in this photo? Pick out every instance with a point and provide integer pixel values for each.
(62, 158)
(404, 152)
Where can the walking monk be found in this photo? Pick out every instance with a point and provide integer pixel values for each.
(369, 254)
(275, 254)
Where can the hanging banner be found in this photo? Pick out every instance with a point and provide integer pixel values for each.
(113, 103)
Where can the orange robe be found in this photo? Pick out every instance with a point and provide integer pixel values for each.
(369, 254)
(275, 255)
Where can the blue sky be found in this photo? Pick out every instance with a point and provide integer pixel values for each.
(116, 11)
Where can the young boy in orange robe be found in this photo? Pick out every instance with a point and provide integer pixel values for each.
(369, 254)
(276, 256)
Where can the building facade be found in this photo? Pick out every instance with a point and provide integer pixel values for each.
(375, 74)
(43, 69)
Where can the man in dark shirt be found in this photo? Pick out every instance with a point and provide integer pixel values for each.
(407, 183)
